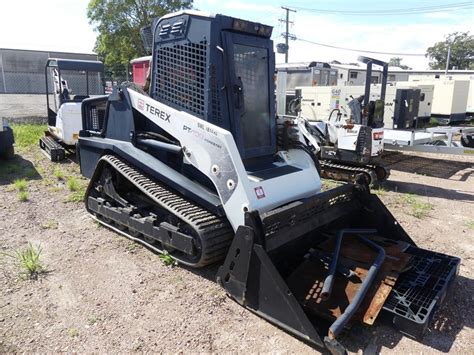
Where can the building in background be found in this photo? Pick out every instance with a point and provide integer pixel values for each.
(22, 71)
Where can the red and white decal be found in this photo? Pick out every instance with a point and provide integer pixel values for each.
(259, 192)
(378, 136)
(141, 104)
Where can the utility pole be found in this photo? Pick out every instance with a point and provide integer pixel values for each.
(287, 34)
(447, 61)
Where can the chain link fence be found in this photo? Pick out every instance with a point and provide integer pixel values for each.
(22, 71)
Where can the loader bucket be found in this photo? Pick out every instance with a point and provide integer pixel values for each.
(270, 267)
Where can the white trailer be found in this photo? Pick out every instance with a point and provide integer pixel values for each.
(431, 140)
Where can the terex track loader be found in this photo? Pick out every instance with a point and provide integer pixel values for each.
(194, 169)
(68, 83)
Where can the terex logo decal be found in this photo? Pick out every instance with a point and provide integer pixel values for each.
(259, 192)
(143, 106)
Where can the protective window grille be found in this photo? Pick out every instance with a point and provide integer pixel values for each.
(78, 82)
(180, 75)
(215, 96)
(95, 119)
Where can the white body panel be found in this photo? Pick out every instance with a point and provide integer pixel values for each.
(213, 151)
(68, 123)
(449, 97)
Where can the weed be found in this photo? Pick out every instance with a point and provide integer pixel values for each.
(23, 196)
(470, 224)
(27, 134)
(50, 225)
(20, 184)
(329, 184)
(131, 246)
(58, 173)
(379, 191)
(76, 196)
(29, 261)
(409, 198)
(418, 209)
(55, 189)
(167, 259)
(92, 319)
(138, 344)
(73, 184)
(73, 332)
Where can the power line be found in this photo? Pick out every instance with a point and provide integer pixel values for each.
(405, 11)
(359, 50)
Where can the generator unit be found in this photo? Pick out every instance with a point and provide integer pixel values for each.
(402, 104)
(289, 76)
(450, 98)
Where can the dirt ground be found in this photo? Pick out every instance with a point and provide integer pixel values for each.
(103, 293)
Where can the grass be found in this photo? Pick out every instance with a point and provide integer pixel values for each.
(379, 191)
(50, 225)
(92, 319)
(470, 225)
(167, 259)
(23, 196)
(328, 184)
(418, 209)
(76, 196)
(29, 261)
(20, 184)
(78, 189)
(58, 173)
(27, 134)
(73, 332)
(72, 184)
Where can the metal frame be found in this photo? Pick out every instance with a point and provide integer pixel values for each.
(435, 140)
(69, 64)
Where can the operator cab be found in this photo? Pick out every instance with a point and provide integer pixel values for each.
(219, 69)
(70, 82)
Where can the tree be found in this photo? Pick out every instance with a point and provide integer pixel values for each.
(118, 23)
(462, 52)
(397, 62)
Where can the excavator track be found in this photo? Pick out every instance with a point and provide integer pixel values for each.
(354, 174)
(191, 234)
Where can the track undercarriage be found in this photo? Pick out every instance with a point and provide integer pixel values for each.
(122, 198)
(369, 174)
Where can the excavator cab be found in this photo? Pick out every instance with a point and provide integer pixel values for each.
(194, 169)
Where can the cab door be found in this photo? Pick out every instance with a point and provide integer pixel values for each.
(251, 93)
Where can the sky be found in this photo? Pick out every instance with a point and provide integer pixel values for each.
(62, 25)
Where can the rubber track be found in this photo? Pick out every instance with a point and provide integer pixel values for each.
(370, 172)
(215, 232)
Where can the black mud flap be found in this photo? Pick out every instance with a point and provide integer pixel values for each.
(271, 246)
